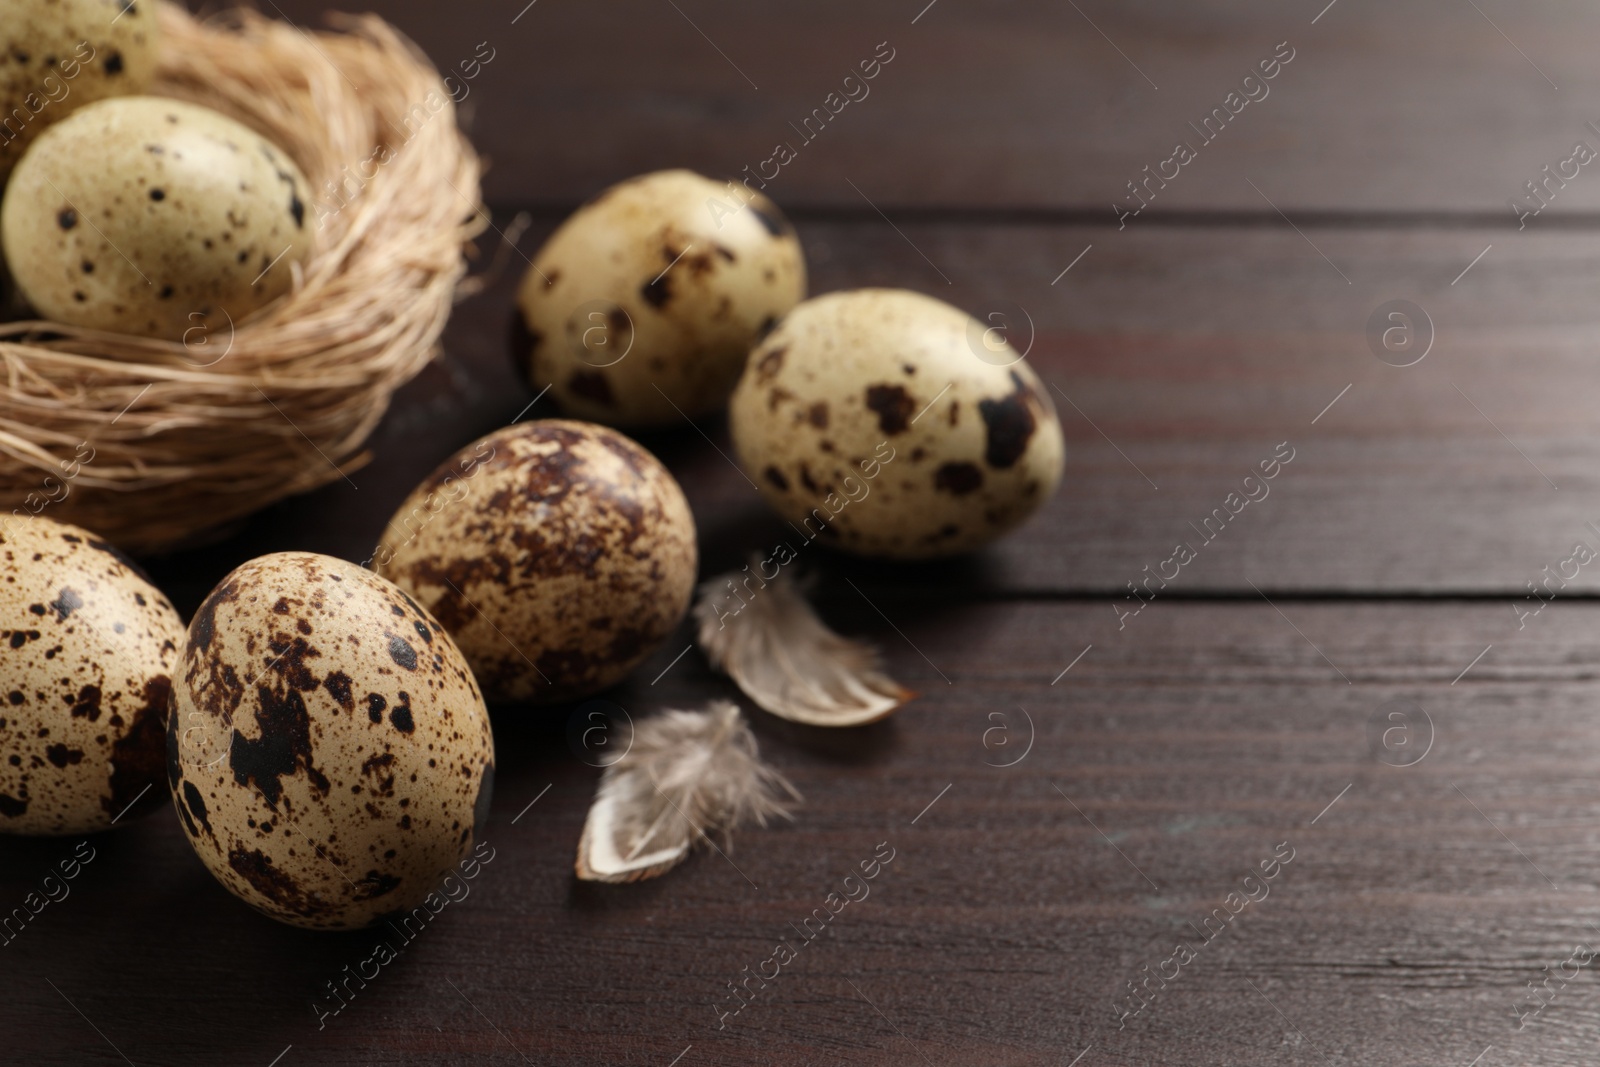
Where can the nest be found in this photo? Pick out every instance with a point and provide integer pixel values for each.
(152, 443)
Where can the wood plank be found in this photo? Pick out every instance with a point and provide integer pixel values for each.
(1431, 107)
(1189, 353)
(1404, 929)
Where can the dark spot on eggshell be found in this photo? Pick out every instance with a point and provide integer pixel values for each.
(65, 603)
(174, 759)
(61, 755)
(1010, 425)
(204, 627)
(400, 717)
(374, 885)
(893, 405)
(67, 218)
(289, 661)
(401, 652)
(775, 476)
(817, 414)
(381, 767)
(11, 807)
(257, 868)
(375, 707)
(283, 747)
(591, 385)
(113, 63)
(656, 292)
(958, 478)
(158, 195)
(297, 210)
(337, 683)
(768, 366)
(195, 804)
(87, 703)
(137, 757)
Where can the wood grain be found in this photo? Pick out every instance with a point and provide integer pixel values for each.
(1403, 931)
(1426, 107)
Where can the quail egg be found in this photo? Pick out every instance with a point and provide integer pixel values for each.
(891, 424)
(87, 650)
(58, 55)
(154, 217)
(642, 306)
(329, 753)
(559, 554)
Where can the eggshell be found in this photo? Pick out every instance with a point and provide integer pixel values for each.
(642, 306)
(887, 423)
(559, 554)
(330, 756)
(87, 650)
(58, 55)
(150, 216)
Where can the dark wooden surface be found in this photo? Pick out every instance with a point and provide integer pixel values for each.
(1242, 709)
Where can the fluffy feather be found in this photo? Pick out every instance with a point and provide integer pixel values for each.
(786, 660)
(686, 774)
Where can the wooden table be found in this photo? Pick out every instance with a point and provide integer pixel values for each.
(1351, 674)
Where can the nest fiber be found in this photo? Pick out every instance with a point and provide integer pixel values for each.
(151, 443)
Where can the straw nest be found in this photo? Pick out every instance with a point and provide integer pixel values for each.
(152, 443)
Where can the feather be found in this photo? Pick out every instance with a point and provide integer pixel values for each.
(787, 660)
(684, 776)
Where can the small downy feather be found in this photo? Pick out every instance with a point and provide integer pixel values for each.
(686, 775)
(787, 660)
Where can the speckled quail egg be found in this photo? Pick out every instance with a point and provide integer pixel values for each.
(559, 554)
(329, 752)
(891, 424)
(87, 651)
(58, 55)
(642, 306)
(150, 216)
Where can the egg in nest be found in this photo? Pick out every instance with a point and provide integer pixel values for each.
(329, 755)
(58, 55)
(559, 554)
(641, 307)
(87, 650)
(888, 423)
(148, 216)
